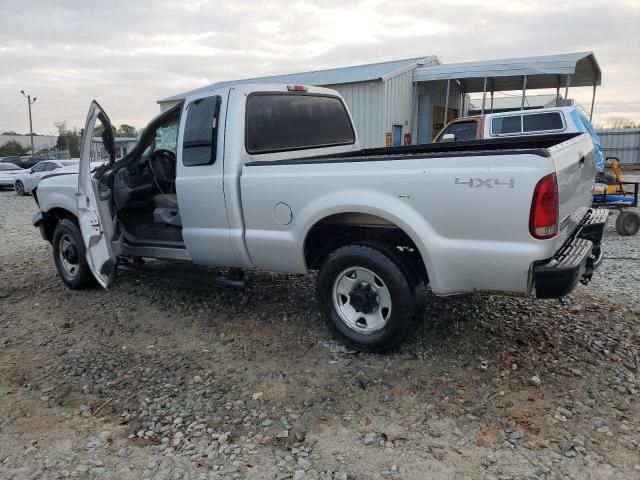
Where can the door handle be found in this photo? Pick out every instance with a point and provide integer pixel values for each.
(581, 162)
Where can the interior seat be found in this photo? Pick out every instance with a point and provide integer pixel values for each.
(166, 200)
(166, 210)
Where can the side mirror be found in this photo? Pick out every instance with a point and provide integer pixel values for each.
(30, 171)
(448, 137)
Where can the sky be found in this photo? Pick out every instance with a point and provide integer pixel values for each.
(127, 54)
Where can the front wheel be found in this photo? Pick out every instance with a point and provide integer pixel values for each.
(19, 187)
(69, 255)
(370, 296)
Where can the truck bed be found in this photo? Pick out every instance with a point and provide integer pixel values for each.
(534, 145)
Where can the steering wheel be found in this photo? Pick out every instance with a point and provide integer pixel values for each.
(163, 165)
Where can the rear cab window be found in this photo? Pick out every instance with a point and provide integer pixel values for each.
(527, 123)
(279, 122)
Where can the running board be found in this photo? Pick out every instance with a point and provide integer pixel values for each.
(215, 280)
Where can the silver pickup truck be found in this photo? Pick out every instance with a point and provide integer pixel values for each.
(272, 177)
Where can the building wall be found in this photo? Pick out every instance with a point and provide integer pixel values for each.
(398, 104)
(365, 101)
(430, 96)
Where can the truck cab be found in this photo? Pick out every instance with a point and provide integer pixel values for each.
(176, 195)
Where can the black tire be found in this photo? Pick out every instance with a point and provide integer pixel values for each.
(628, 223)
(81, 277)
(405, 288)
(20, 191)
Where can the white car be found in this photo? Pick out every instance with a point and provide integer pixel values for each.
(8, 174)
(27, 180)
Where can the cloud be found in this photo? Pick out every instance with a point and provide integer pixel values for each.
(129, 54)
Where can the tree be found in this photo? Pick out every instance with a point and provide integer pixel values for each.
(12, 148)
(126, 131)
(68, 139)
(98, 129)
(621, 122)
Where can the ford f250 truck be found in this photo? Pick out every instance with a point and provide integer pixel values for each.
(272, 177)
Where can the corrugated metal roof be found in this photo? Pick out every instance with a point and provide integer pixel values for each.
(506, 74)
(318, 78)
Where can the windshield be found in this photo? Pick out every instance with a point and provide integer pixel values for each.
(165, 138)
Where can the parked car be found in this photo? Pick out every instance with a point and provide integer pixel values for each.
(8, 174)
(272, 177)
(523, 123)
(27, 161)
(27, 180)
(12, 160)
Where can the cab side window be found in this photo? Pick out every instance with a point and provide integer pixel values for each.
(201, 131)
(462, 130)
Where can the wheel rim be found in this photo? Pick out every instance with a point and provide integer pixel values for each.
(630, 223)
(19, 188)
(68, 254)
(362, 300)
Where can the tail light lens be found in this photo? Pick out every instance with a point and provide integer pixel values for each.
(543, 222)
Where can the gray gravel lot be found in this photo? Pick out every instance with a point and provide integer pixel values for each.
(165, 379)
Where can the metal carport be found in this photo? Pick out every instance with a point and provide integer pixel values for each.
(550, 71)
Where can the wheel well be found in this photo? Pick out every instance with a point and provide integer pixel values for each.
(337, 230)
(52, 217)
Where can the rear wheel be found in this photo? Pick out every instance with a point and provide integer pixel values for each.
(370, 296)
(19, 187)
(628, 223)
(69, 256)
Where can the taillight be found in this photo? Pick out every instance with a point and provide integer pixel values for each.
(543, 222)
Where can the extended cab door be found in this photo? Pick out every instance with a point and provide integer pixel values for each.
(200, 181)
(97, 219)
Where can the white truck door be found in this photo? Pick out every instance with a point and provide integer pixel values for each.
(199, 182)
(97, 223)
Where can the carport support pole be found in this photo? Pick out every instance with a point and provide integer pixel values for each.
(446, 104)
(593, 100)
(524, 92)
(484, 95)
(566, 89)
(493, 86)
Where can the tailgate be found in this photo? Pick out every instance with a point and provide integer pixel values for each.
(575, 167)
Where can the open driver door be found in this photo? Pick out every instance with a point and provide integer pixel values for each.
(96, 214)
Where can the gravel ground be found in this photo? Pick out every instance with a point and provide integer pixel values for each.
(165, 379)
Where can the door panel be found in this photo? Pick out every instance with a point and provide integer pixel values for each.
(397, 135)
(97, 221)
(200, 183)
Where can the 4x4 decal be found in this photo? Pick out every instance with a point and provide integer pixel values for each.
(488, 182)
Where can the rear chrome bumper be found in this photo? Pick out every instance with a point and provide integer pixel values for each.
(575, 261)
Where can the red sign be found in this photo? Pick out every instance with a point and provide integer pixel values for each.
(407, 139)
